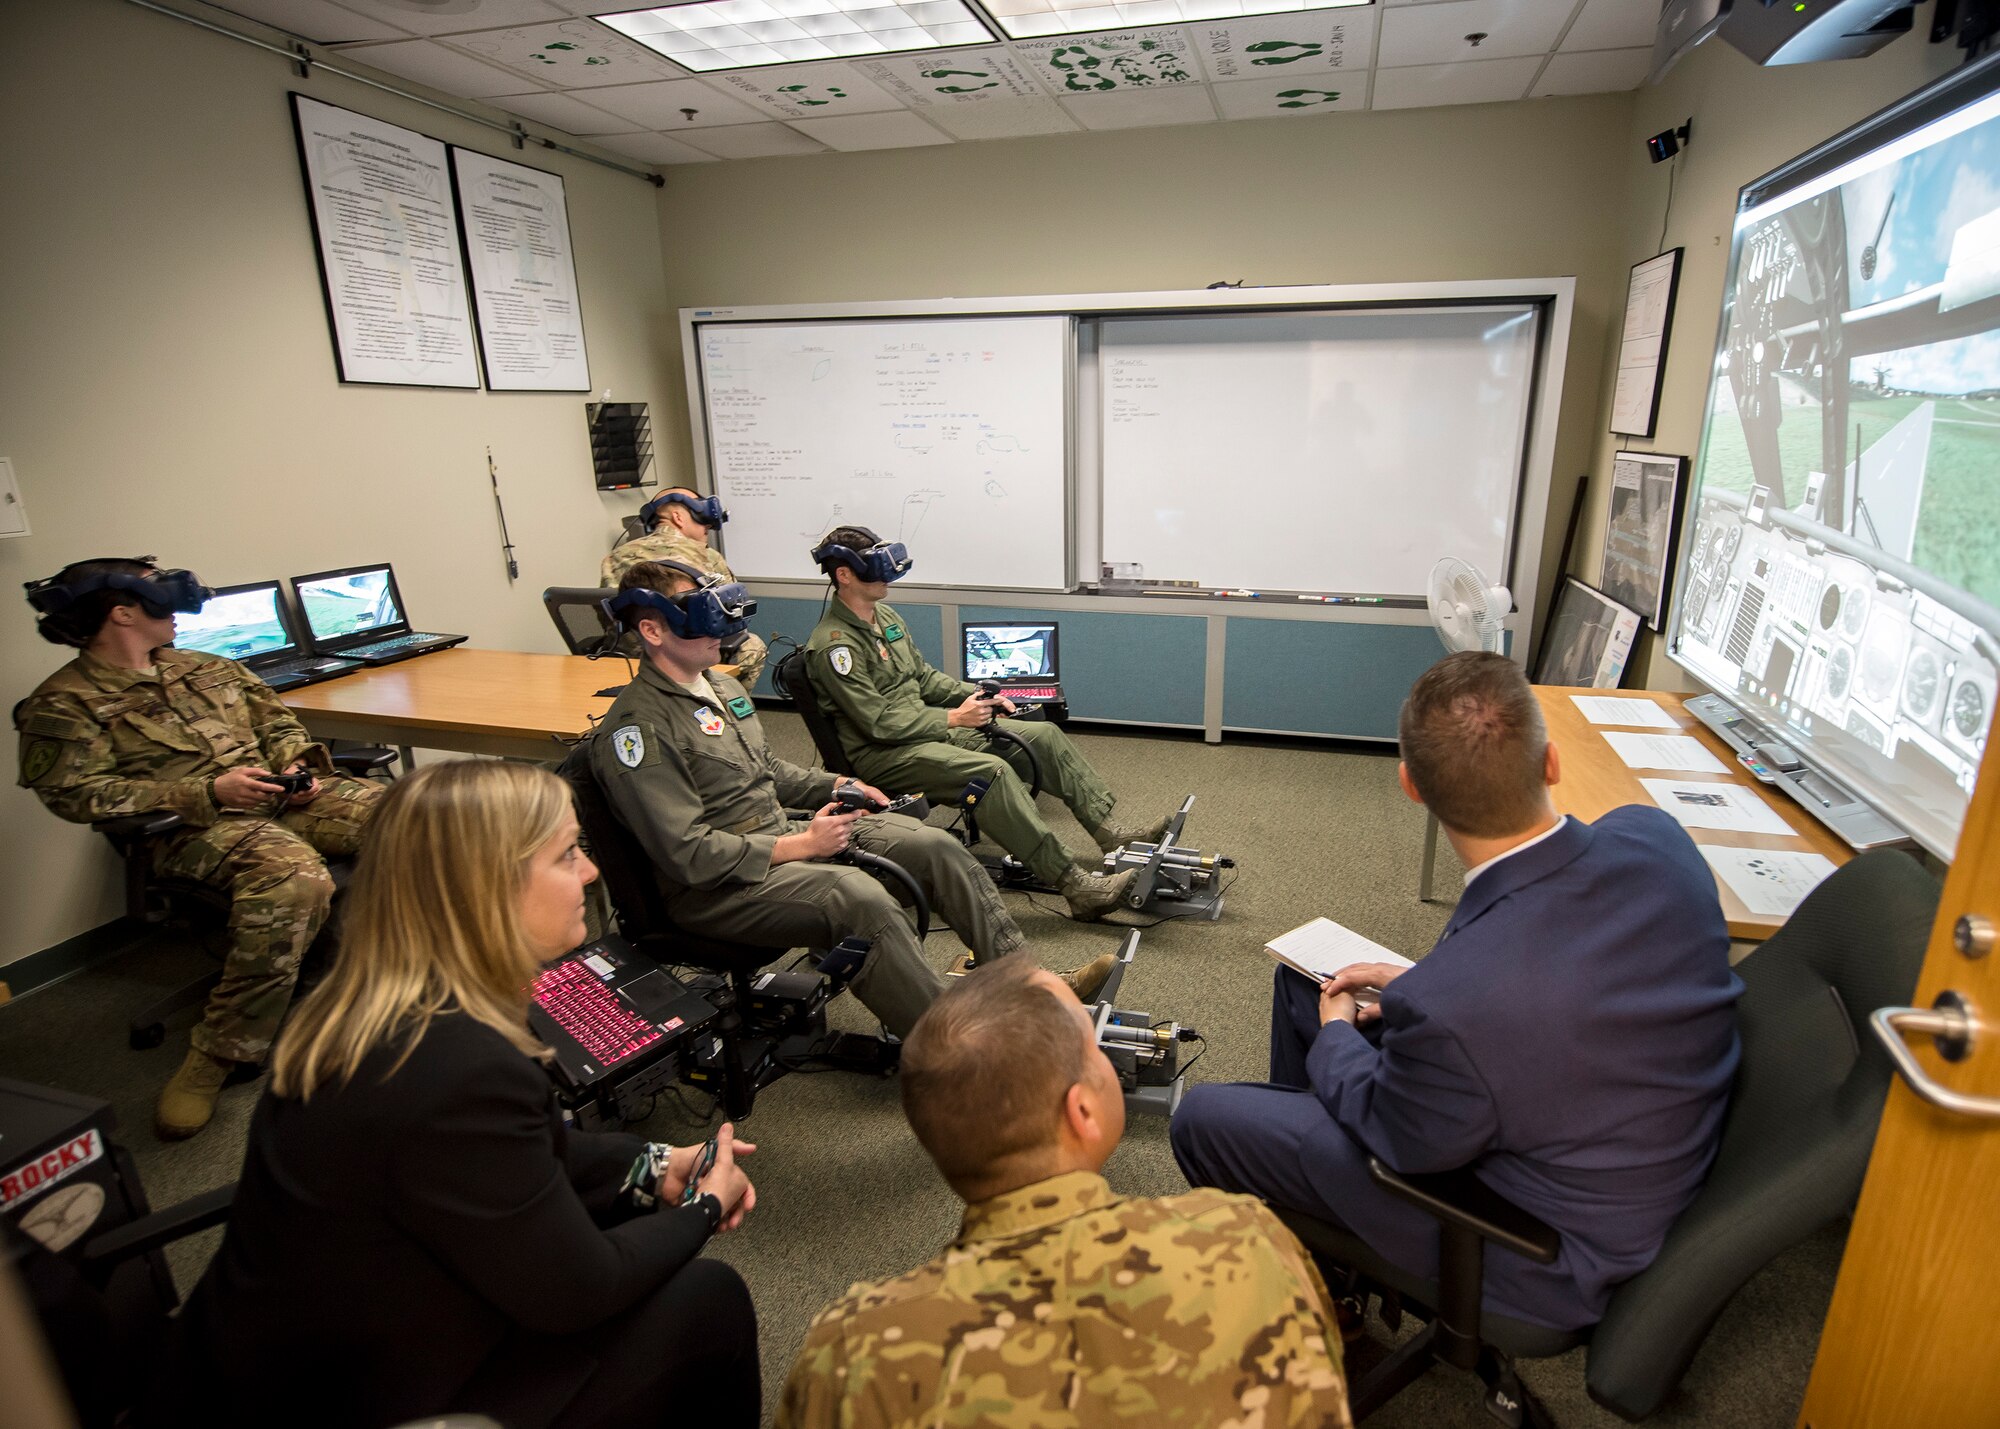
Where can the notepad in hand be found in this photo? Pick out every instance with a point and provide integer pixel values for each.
(1321, 948)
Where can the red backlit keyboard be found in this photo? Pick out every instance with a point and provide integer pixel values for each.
(604, 1027)
(1020, 693)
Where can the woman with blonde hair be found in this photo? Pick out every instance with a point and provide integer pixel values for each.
(416, 1230)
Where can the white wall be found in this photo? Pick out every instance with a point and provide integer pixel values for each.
(167, 382)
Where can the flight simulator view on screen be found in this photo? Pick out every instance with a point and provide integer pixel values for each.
(1841, 570)
(235, 626)
(1007, 652)
(346, 605)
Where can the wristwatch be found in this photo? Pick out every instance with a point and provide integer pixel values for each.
(711, 1208)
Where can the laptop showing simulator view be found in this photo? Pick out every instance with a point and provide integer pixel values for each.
(1021, 657)
(250, 625)
(358, 613)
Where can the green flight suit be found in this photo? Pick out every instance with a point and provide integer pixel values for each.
(889, 706)
(694, 781)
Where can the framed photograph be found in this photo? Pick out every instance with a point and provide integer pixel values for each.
(1588, 639)
(1642, 346)
(1641, 528)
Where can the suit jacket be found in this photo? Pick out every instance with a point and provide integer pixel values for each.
(1572, 1036)
(390, 1234)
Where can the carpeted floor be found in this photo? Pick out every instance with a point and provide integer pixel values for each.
(844, 1191)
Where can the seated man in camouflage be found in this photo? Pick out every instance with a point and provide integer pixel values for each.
(908, 726)
(682, 760)
(678, 523)
(132, 725)
(1061, 1303)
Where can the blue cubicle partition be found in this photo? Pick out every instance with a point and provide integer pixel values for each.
(1322, 677)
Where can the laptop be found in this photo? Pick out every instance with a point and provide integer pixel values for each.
(610, 1013)
(1021, 657)
(358, 613)
(250, 625)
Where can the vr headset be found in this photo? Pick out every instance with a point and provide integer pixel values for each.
(880, 561)
(161, 594)
(707, 509)
(714, 609)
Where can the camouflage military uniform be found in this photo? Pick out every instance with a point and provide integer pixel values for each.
(1063, 1305)
(98, 741)
(693, 780)
(889, 706)
(667, 544)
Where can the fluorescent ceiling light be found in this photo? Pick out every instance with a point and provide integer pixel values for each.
(742, 34)
(1028, 19)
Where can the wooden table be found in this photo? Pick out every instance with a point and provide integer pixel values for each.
(470, 701)
(1596, 781)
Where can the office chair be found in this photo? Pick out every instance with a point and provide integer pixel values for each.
(580, 618)
(1795, 1144)
(153, 898)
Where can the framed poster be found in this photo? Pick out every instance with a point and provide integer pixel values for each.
(385, 226)
(1641, 526)
(1588, 640)
(517, 246)
(1642, 348)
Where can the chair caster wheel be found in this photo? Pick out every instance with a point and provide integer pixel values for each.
(144, 1039)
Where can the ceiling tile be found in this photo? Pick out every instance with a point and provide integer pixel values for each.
(710, 36)
(1298, 94)
(1613, 25)
(1122, 59)
(752, 141)
(1435, 34)
(1134, 108)
(316, 20)
(445, 17)
(659, 105)
(1600, 72)
(574, 54)
(901, 130)
(562, 111)
(654, 149)
(1285, 44)
(806, 91)
(1475, 82)
(971, 94)
(429, 62)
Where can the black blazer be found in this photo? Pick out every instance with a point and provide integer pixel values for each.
(392, 1234)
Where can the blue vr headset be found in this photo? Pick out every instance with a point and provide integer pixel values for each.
(881, 561)
(707, 509)
(714, 609)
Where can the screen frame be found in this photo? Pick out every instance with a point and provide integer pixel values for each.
(293, 646)
(356, 637)
(1054, 628)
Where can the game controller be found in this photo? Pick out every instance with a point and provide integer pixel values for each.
(916, 806)
(293, 784)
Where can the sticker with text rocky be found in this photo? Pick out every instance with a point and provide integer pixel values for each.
(1122, 59)
(1309, 42)
(808, 91)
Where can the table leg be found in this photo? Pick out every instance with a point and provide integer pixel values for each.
(1430, 857)
(409, 758)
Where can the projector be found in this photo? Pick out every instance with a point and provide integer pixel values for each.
(1779, 32)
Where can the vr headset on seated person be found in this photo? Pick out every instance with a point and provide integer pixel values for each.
(714, 609)
(878, 561)
(161, 594)
(707, 509)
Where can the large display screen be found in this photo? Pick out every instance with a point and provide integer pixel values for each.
(1840, 574)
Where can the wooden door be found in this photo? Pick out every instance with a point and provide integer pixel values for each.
(1911, 1339)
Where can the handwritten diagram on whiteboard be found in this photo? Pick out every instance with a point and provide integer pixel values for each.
(947, 435)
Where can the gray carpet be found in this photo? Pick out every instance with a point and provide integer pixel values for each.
(845, 1193)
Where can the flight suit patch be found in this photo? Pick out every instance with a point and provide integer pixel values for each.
(629, 745)
(741, 707)
(893, 633)
(881, 649)
(842, 660)
(710, 721)
(40, 758)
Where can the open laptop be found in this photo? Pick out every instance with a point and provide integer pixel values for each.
(358, 613)
(1021, 657)
(250, 625)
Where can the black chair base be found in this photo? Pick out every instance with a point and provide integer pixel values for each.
(148, 1028)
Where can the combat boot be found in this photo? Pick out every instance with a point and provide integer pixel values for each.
(1087, 980)
(1114, 835)
(1091, 895)
(188, 1101)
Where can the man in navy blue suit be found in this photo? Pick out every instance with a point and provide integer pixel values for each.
(1572, 1035)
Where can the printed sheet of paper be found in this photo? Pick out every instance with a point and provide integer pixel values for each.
(1715, 806)
(1321, 948)
(1681, 752)
(1610, 709)
(1769, 883)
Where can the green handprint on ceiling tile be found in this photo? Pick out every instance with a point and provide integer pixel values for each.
(1264, 48)
(1306, 98)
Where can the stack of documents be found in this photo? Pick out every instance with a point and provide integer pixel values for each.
(1321, 948)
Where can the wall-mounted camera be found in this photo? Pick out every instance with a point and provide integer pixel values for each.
(1668, 142)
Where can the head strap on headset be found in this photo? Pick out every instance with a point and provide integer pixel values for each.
(162, 593)
(879, 560)
(714, 609)
(706, 509)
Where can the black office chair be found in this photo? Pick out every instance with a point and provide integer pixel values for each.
(580, 618)
(153, 899)
(1795, 1146)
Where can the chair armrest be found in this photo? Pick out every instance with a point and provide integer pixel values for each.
(366, 760)
(129, 828)
(1461, 1199)
(149, 1233)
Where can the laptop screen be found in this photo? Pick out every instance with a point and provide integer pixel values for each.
(1010, 652)
(238, 623)
(346, 603)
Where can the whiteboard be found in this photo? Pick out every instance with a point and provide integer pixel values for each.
(1335, 451)
(950, 435)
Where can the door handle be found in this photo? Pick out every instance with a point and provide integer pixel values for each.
(1951, 1025)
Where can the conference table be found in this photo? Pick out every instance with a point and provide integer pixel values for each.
(1595, 781)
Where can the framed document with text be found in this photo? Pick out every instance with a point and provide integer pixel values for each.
(1640, 529)
(517, 247)
(1642, 347)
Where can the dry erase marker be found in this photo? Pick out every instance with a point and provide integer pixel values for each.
(1316, 597)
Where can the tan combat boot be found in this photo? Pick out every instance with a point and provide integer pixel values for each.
(1088, 979)
(188, 1101)
(1091, 895)
(1114, 835)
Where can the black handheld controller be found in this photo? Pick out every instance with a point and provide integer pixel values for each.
(293, 784)
(854, 800)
